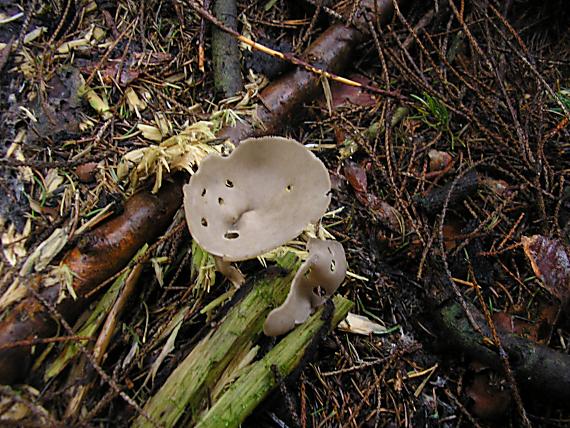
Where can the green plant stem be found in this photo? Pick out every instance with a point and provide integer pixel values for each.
(257, 380)
(187, 388)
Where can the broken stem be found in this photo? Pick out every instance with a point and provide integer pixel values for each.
(259, 378)
(187, 386)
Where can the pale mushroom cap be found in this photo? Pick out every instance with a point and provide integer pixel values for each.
(258, 198)
(323, 271)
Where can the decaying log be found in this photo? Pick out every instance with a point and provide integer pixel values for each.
(98, 256)
(258, 379)
(186, 389)
(540, 370)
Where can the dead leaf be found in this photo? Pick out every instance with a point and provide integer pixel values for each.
(538, 329)
(356, 176)
(344, 94)
(86, 172)
(491, 399)
(439, 163)
(359, 324)
(166, 349)
(451, 234)
(386, 213)
(150, 132)
(120, 73)
(499, 187)
(17, 290)
(45, 252)
(550, 261)
(13, 243)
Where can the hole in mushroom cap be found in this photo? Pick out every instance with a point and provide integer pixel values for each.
(229, 183)
(204, 222)
(333, 265)
(220, 201)
(319, 291)
(203, 192)
(231, 235)
(289, 187)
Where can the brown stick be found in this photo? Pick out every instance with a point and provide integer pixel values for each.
(98, 256)
(540, 371)
(225, 50)
(104, 339)
(318, 70)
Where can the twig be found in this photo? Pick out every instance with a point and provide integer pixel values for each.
(225, 50)
(57, 316)
(107, 332)
(40, 341)
(293, 59)
(201, 37)
(502, 354)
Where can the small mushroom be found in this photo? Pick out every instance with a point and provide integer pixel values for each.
(259, 197)
(317, 279)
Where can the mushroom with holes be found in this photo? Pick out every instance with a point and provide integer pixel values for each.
(256, 199)
(317, 278)
(259, 197)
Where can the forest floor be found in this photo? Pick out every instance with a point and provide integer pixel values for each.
(450, 196)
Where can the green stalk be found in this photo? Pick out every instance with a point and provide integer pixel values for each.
(257, 380)
(187, 388)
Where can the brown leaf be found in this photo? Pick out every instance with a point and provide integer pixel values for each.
(109, 73)
(386, 213)
(439, 163)
(537, 329)
(550, 261)
(86, 172)
(516, 325)
(490, 399)
(499, 187)
(356, 176)
(451, 236)
(343, 94)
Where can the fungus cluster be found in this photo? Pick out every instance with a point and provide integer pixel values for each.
(256, 199)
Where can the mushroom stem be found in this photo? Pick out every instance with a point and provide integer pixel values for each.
(232, 273)
(317, 279)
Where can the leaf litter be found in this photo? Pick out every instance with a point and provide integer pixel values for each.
(139, 109)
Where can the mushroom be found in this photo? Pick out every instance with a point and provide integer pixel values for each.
(256, 199)
(317, 279)
(259, 197)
